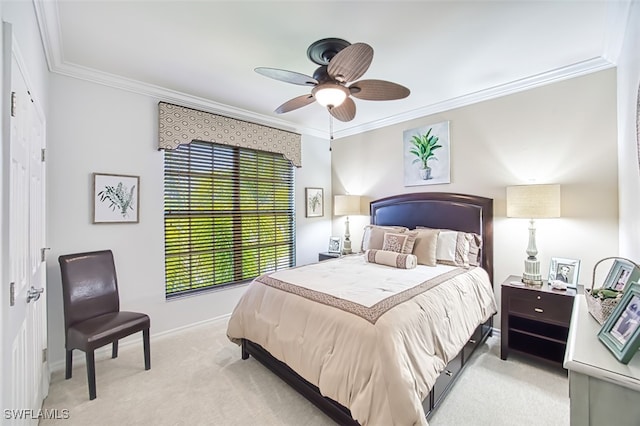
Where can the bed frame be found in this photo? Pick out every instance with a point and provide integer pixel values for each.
(442, 210)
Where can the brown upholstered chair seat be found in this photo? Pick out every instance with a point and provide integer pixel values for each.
(102, 330)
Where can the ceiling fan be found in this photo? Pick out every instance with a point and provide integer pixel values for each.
(340, 64)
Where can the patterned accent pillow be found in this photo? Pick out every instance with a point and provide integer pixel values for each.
(400, 243)
(391, 258)
(373, 236)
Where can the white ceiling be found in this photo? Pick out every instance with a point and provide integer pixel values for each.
(448, 53)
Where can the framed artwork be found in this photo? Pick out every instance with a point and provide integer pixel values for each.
(314, 202)
(116, 198)
(426, 155)
(335, 245)
(620, 333)
(565, 270)
(620, 275)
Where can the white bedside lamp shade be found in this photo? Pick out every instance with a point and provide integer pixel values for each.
(533, 202)
(347, 205)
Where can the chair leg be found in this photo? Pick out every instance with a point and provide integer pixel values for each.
(68, 364)
(114, 350)
(91, 374)
(147, 349)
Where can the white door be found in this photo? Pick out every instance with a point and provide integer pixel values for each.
(24, 324)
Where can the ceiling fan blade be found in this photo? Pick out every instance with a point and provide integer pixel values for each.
(378, 90)
(345, 112)
(287, 76)
(351, 62)
(295, 103)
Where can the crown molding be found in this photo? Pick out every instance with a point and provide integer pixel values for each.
(617, 20)
(48, 22)
(564, 73)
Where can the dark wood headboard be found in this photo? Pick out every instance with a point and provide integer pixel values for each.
(444, 210)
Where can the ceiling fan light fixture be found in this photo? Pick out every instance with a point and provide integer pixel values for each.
(330, 94)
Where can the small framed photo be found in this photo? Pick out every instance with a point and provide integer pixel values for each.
(565, 270)
(620, 333)
(335, 245)
(116, 198)
(621, 274)
(314, 202)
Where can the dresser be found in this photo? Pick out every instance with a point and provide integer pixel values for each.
(602, 390)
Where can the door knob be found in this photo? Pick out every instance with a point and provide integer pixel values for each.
(34, 294)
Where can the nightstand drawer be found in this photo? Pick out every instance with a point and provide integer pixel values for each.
(541, 307)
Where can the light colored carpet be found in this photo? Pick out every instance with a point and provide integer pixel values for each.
(198, 378)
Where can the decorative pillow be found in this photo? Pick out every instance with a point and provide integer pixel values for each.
(400, 243)
(391, 258)
(425, 246)
(458, 248)
(373, 236)
(475, 247)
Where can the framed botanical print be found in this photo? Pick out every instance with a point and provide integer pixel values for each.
(314, 202)
(116, 198)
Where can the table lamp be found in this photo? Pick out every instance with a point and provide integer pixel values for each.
(346, 205)
(533, 202)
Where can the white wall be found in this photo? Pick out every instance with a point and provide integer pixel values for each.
(561, 133)
(628, 150)
(94, 128)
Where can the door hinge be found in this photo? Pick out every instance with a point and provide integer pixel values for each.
(43, 253)
(44, 355)
(12, 294)
(13, 104)
(42, 154)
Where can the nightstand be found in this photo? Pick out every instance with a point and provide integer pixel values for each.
(326, 255)
(535, 319)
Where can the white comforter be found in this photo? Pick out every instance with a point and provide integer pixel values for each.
(372, 337)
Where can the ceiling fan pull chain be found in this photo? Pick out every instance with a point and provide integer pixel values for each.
(330, 127)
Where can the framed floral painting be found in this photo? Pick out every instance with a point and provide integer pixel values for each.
(314, 202)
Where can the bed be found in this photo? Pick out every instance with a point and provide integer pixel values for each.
(391, 356)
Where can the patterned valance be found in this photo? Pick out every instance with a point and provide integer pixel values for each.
(180, 125)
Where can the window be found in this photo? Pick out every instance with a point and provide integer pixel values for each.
(228, 215)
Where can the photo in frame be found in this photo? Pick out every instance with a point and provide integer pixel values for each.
(116, 198)
(314, 200)
(426, 155)
(620, 275)
(565, 270)
(335, 245)
(620, 333)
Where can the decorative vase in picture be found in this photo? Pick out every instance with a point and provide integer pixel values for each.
(426, 155)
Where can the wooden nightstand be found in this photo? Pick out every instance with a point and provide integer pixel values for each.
(326, 255)
(535, 319)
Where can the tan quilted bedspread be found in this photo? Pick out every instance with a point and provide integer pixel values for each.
(377, 340)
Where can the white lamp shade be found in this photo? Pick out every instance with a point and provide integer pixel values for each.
(346, 205)
(533, 201)
(330, 94)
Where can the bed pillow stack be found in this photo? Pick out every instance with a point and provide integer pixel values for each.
(373, 237)
(458, 248)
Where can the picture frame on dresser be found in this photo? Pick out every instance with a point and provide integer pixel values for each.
(565, 270)
(621, 274)
(621, 331)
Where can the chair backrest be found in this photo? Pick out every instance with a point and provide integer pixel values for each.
(89, 285)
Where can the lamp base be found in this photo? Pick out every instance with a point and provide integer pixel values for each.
(531, 274)
(346, 246)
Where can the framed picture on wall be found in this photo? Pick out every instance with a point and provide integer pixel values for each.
(314, 202)
(116, 198)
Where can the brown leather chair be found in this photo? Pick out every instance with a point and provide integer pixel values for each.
(92, 315)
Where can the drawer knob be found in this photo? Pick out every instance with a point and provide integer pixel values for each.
(538, 310)
(472, 341)
(448, 373)
(538, 297)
